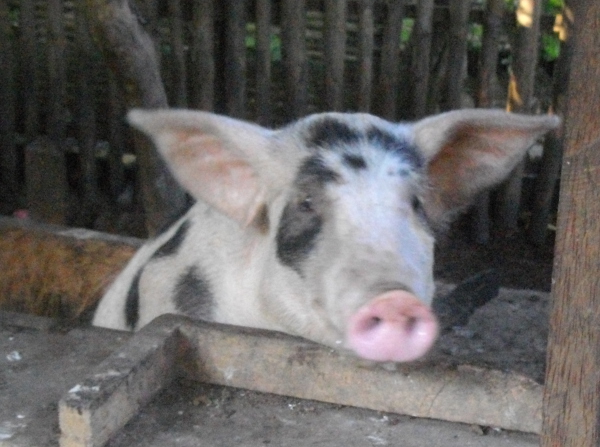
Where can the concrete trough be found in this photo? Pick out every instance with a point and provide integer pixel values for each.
(99, 406)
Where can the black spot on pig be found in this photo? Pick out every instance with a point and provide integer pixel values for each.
(132, 302)
(303, 216)
(171, 246)
(330, 132)
(397, 145)
(355, 161)
(193, 296)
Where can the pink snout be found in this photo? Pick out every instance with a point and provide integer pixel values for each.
(395, 326)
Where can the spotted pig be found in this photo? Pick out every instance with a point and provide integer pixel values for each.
(322, 229)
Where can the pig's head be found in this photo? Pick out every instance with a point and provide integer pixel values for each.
(344, 208)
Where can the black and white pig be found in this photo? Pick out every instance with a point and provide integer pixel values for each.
(322, 229)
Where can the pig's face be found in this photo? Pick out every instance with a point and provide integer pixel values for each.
(353, 231)
(322, 229)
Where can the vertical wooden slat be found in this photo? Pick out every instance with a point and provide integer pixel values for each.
(263, 62)
(29, 69)
(459, 22)
(520, 97)
(490, 42)
(335, 52)
(549, 172)
(571, 415)
(293, 30)
(421, 54)
(366, 32)
(56, 72)
(86, 118)
(492, 28)
(8, 151)
(178, 66)
(235, 59)
(387, 91)
(116, 134)
(130, 52)
(203, 63)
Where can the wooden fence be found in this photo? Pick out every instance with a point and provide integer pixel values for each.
(62, 130)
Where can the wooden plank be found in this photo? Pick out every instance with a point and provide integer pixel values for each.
(421, 53)
(263, 62)
(295, 61)
(178, 65)
(366, 25)
(520, 99)
(277, 363)
(572, 392)
(235, 54)
(390, 60)
(57, 77)
(29, 69)
(86, 120)
(459, 23)
(492, 28)
(9, 159)
(335, 52)
(130, 52)
(203, 62)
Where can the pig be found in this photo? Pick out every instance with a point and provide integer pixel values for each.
(322, 229)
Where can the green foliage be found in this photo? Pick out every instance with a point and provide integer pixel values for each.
(275, 45)
(550, 46)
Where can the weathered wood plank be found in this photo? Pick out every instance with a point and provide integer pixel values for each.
(421, 53)
(390, 63)
(335, 52)
(203, 62)
(178, 65)
(520, 99)
(263, 62)
(366, 38)
(572, 393)
(235, 64)
(295, 62)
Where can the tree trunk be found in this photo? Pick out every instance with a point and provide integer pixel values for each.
(130, 53)
(572, 392)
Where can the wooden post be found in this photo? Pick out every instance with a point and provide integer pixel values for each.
(335, 52)
(459, 23)
(295, 61)
(203, 62)
(480, 227)
(366, 32)
(178, 65)
(86, 122)
(263, 62)
(572, 392)
(9, 184)
(520, 99)
(235, 54)
(421, 53)
(29, 68)
(390, 60)
(130, 52)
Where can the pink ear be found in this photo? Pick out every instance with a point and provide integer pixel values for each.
(472, 150)
(214, 158)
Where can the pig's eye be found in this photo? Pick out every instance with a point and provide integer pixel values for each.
(306, 204)
(416, 204)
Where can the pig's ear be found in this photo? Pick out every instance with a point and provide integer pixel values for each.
(216, 159)
(470, 150)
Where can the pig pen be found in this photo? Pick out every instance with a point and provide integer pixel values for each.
(485, 374)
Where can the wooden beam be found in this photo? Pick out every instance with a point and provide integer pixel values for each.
(572, 395)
